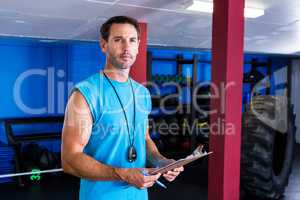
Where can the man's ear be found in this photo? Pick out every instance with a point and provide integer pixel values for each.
(103, 45)
(138, 45)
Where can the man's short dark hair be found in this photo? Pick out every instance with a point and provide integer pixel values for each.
(105, 28)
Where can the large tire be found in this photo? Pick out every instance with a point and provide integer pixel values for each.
(267, 154)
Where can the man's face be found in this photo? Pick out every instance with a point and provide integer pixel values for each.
(122, 46)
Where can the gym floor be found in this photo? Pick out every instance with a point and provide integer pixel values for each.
(192, 184)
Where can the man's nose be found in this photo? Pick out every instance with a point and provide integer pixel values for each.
(126, 44)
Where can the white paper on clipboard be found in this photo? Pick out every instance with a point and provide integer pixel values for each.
(180, 162)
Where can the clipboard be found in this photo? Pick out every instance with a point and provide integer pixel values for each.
(181, 162)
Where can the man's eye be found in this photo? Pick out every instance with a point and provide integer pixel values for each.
(117, 40)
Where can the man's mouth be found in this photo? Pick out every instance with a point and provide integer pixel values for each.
(126, 56)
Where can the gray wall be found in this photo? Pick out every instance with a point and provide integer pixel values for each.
(296, 94)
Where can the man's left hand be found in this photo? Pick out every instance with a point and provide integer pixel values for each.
(172, 174)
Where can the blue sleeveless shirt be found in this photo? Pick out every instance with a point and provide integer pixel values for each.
(109, 140)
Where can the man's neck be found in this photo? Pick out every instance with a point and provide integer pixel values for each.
(116, 74)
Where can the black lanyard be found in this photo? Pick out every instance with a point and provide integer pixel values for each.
(131, 141)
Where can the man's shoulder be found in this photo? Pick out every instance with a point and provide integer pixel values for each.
(91, 80)
(88, 85)
(140, 87)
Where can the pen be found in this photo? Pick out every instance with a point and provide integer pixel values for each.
(157, 181)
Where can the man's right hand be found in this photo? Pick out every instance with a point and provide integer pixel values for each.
(135, 177)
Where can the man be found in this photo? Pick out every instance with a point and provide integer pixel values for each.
(105, 138)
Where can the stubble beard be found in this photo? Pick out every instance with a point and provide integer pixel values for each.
(120, 66)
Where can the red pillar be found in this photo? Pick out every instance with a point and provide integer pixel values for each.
(227, 70)
(139, 71)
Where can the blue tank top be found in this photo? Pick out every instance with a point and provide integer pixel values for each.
(109, 140)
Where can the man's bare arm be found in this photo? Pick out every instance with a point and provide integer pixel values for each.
(154, 157)
(76, 133)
